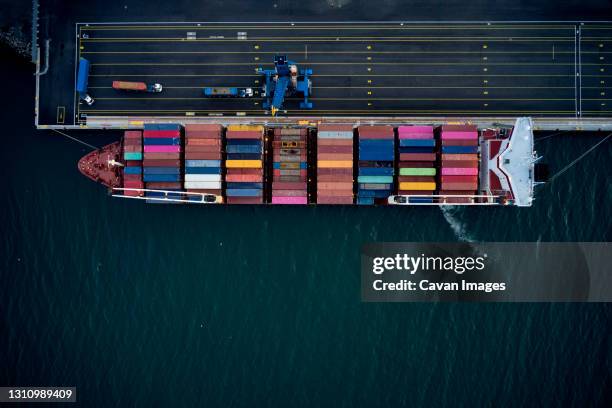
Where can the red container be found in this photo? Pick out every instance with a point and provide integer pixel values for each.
(203, 135)
(376, 136)
(164, 156)
(133, 162)
(416, 165)
(202, 142)
(132, 135)
(412, 179)
(334, 142)
(132, 149)
(239, 134)
(244, 200)
(334, 149)
(241, 178)
(460, 128)
(215, 192)
(375, 130)
(346, 199)
(201, 149)
(132, 177)
(456, 192)
(202, 156)
(460, 163)
(245, 171)
(162, 185)
(197, 127)
(332, 127)
(288, 185)
(335, 171)
(459, 179)
(417, 156)
(459, 142)
(459, 186)
(335, 156)
(162, 133)
(456, 156)
(334, 177)
(335, 193)
(161, 163)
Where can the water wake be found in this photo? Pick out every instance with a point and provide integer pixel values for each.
(459, 228)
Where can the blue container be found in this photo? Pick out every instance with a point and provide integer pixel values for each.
(420, 199)
(132, 170)
(460, 149)
(162, 141)
(373, 193)
(202, 163)
(365, 200)
(162, 170)
(415, 149)
(377, 143)
(243, 142)
(417, 142)
(374, 156)
(162, 177)
(168, 126)
(233, 185)
(202, 170)
(375, 171)
(243, 149)
(277, 166)
(151, 126)
(239, 192)
(244, 156)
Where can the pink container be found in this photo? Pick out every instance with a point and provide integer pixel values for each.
(415, 129)
(289, 200)
(162, 149)
(459, 135)
(459, 171)
(162, 133)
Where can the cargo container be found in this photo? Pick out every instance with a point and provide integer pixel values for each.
(289, 154)
(137, 86)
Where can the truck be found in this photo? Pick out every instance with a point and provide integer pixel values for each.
(136, 86)
(82, 81)
(228, 92)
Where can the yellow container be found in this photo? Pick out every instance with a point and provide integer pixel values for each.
(331, 164)
(243, 164)
(246, 128)
(423, 185)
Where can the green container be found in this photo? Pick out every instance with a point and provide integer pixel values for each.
(132, 155)
(375, 179)
(417, 172)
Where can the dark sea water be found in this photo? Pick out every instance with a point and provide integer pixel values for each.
(160, 306)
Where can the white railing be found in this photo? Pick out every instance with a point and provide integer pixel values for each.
(166, 198)
(438, 199)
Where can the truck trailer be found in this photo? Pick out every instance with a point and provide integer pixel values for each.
(136, 86)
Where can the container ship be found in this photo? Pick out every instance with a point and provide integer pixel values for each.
(363, 163)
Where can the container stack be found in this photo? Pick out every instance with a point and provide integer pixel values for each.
(459, 161)
(203, 159)
(376, 163)
(132, 155)
(417, 166)
(335, 164)
(289, 181)
(162, 154)
(244, 179)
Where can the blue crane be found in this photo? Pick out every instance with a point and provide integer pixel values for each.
(285, 80)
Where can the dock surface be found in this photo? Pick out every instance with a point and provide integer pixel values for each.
(359, 69)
